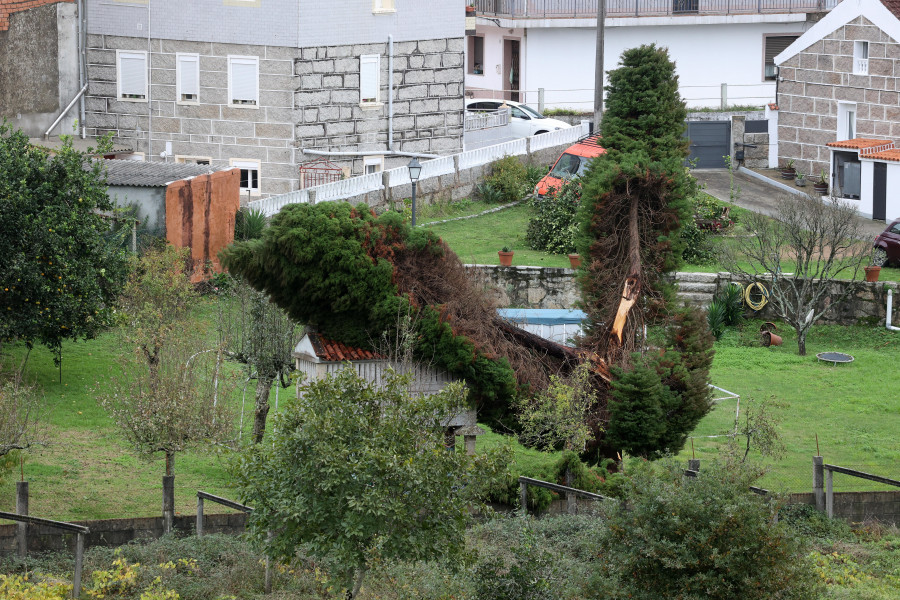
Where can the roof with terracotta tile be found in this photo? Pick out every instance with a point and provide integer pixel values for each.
(892, 154)
(893, 6)
(858, 143)
(332, 351)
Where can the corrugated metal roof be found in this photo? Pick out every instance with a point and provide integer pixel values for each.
(858, 143)
(151, 174)
(892, 154)
(332, 351)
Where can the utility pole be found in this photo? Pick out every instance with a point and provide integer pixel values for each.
(598, 68)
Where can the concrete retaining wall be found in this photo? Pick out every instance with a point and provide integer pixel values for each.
(860, 507)
(529, 287)
(116, 532)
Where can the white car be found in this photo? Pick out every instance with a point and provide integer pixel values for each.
(524, 121)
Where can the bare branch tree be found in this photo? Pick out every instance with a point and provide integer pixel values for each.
(821, 239)
(19, 416)
(259, 334)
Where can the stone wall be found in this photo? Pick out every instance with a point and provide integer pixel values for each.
(818, 78)
(529, 287)
(428, 100)
(110, 533)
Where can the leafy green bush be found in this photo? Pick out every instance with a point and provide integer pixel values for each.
(249, 224)
(555, 222)
(726, 309)
(716, 315)
(510, 178)
(533, 174)
(707, 537)
(698, 249)
(533, 574)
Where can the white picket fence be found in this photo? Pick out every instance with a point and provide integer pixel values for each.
(445, 165)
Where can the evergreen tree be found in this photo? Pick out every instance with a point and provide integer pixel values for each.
(636, 198)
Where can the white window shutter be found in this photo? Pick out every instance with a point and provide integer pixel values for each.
(244, 80)
(133, 74)
(369, 77)
(188, 75)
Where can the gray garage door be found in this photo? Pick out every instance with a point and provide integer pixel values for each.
(709, 142)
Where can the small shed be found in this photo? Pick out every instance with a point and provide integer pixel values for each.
(557, 325)
(317, 357)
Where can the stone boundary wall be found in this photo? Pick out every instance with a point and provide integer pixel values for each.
(867, 305)
(860, 507)
(110, 533)
(541, 287)
(453, 186)
(529, 287)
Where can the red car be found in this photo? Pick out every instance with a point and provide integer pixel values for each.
(887, 245)
(572, 163)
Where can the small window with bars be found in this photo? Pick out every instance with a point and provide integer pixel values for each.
(774, 45)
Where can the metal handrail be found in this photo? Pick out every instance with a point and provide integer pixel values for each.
(65, 110)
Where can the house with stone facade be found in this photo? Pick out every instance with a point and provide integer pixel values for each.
(839, 104)
(267, 85)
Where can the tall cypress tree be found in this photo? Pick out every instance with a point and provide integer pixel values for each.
(636, 197)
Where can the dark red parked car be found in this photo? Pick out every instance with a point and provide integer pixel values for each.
(886, 249)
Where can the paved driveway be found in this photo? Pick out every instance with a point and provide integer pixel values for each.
(759, 196)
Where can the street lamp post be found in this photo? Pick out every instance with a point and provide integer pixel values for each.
(415, 169)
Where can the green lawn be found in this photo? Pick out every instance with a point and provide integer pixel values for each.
(854, 409)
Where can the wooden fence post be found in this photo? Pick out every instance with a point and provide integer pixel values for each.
(199, 516)
(523, 495)
(268, 588)
(79, 559)
(829, 493)
(818, 482)
(22, 509)
(571, 499)
(694, 464)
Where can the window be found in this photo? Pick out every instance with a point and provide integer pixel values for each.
(373, 164)
(187, 78)
(249, 175)
(383, 6)
(369, 72)
(476, 55)
(861, 58)
(194, 160)
(846, 125)
(131, 78)
(243, 81)
(774, 45)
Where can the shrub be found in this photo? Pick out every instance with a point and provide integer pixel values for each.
(531, 575)
(707, 537)
(487, 193)
(510, 178)
(249, 224)
(555, 224)
(698, 249)
(533, 174)
(716, 314)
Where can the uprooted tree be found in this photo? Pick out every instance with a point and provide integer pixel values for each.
(807, 244)
(636, 197)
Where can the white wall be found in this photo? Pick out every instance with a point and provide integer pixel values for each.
(706, 55)
(494, 77)
(893, 197)
(866, 187)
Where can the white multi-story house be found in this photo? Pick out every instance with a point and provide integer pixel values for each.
(267, 85)
(523, 46)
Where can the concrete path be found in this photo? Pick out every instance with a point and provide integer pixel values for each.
(759, 196)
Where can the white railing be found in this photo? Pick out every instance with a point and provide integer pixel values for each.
(483, 156)
(355, 186)
(487, 120)
(876, 149)
(862, 66)
(559, 137)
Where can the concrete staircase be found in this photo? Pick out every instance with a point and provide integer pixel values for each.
(696, 288)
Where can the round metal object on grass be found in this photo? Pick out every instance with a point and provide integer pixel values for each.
(834, 357)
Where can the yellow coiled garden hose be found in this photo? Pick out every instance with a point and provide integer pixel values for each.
(753, 290)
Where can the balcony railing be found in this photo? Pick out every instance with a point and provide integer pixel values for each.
(557, 9)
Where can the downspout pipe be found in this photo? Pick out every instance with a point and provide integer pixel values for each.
(890, 306)
(66, 110)
(82, 62)
(390, 139)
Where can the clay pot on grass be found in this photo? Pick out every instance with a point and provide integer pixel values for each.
(506, 256)
(872, 273)
(575, 260)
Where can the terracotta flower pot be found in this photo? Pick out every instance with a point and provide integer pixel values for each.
(872, 273)
(505, 258)
(770, 339)
(575, 260)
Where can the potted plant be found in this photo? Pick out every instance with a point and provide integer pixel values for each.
(821, 186)
(873, 271)
(801, 180)
(575, 260)
(506, 256)
(787, 170)
(470, 9)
